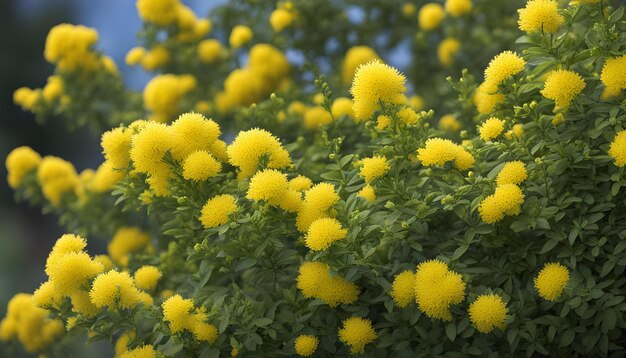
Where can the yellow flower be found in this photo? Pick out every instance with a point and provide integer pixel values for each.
(192, 132)
(563, 86)
(512, 173)
(116, 147)
(458, 7)
(317, 116)
(147, 277)
(367, 193)
(430, 16)
(540, 15)
(373, 83)
(81, 303)
(502, 67)
(357, 332)
(614, 74)
(403, 288)
(270, 64)
(69, 46)
(416, 102)
(446, 51)
(239, 36)
(164, 92)
(551, 281)
(324, 232)
(342, 106)
(617, 150)
(200, 166)
(160, 12)
(281, 19)
(486, 102)
(408, 9)
(488, 312)
(26, 97)
(268, 185)
(449, 123)
(210, 51)
(491, 129)
(134, 56)
(72, 271)
(315, 281)
(518, 130)
(217, 210)
(56, 177)
(317, 204)
(20, 162)
(157, 56)
(354, 58)
(506, 200)
(373, 168)
(146, 351)
(65, 244)
(437, 288)
(557, 119)
(148, 148)
(382, 122)
(439, 151)
(125, 241)
(408, 115)
(300, 183)
(249, 146)
(176, 311)
(53, 89)
(114, 290)
(306, 345)
(47, 295)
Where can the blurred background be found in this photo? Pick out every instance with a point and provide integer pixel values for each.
(26, 235)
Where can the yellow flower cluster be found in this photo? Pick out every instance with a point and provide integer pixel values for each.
(181, 315)
(209, 51)
(150, 60)
(617, 150)
(540, 16)
(613, 74)
(485, 101)
(439, 151)
(458, 7)
(437, 288)
(342, 106)
(316, 116)
(318, 202)
(507, 200)
(551, 281)
(512, 173)
(283, 16)
(146, 351)
(354, 58)
(357, 332)
(324, 232)
(315, 281)
(239, 36)
(69, 47)
(306, 345)
(368, 193)
(430, 16)
(373, 168)
(163, 94)
(488, 312)
(449, 123)
(160, 12)
(446, 51)
(217, 210)
(491, 129)
(403, 288)
(20, 162)
(27, 98)
(373, 83)
(266, 71)
(56, 178)
(200, 166)
(127, 240)
(29, 324)
(563, 86)
(502, 67)
(117, 290)
(250, 147)
(147, 277)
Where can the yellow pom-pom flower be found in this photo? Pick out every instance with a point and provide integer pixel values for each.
(300, 183)
(507, 200)
(437, 288)
(357, 332)
(382, 122)
(239, 36)
(69, 46)
(268, 185)
(315, 281)
(373, 168)
(160, 12)
(324, 232)
(317, 116)
(446, 51)
(342, 106)
(502, 67)
(439, 151)
(449, 123)
(125, 241)
(512, 173)
(403, 288)
(200, 166)
(217, 210)
(317, 203)
(458, 7)
(209, 51)
(306, 345)
(146, 351)
(148, 148)
(280, 19)
(116, 147)
(249, 146)
(147, 277)
(47, 295)
(540, 15)
(56, 177)
(551, 281)
(177, 312)
(373, 83)
(157, 56)
(355, 57)
(484, 101)
(114, 290)
(430, 16)
(488, 312)
(20, 162)
(491, 129)
(613, 74)
(617, 150)
(192, 132)
(563, 86)
(72, 271)
(134, 56)
(368, 193)
(408, 115)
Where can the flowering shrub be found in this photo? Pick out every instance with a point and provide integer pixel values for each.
(329, 203)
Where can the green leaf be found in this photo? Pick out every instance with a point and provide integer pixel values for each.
(451, 331)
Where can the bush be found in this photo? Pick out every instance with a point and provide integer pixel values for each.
(334, 205)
